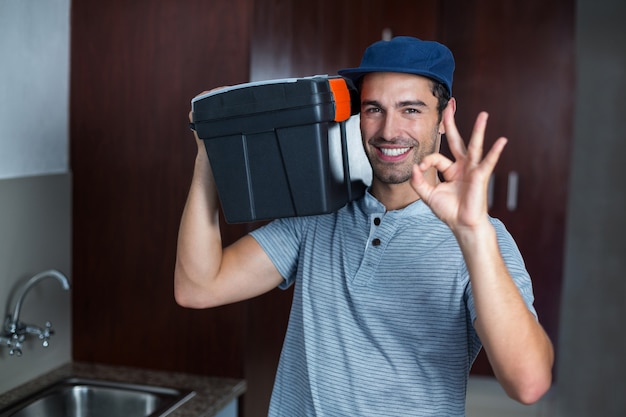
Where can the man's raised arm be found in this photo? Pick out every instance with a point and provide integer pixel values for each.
(518, 348)
(207, 275)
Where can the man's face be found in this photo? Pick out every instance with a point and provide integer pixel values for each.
(399, 123)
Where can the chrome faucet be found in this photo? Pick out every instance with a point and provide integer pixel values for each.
(15, 332)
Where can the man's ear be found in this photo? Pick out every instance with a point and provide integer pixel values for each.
(450, 107)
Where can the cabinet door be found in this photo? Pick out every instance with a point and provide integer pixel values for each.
(516, 60)
(292, 38)
(135, 65)
(513, 59)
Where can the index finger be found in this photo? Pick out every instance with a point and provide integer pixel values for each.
(475, 145)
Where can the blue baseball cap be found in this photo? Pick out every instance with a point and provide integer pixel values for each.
(407, 55)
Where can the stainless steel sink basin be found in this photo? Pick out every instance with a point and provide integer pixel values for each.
(80, 397)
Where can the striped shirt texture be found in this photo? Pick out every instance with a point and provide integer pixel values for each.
(381, 320)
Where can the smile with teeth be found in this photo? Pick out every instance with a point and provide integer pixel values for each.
(393, 151)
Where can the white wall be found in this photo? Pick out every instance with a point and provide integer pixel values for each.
(34, 80)
(35, 225)
(35, 183)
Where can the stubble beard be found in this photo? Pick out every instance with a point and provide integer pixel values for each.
(393, 176)
(393, 173)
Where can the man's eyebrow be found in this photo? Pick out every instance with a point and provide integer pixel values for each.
(370, 103)
(412, 103)
(405, 103)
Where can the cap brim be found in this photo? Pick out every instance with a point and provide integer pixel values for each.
(354, 74)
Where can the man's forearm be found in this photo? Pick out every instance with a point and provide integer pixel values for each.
(518, 348)
(199, 248)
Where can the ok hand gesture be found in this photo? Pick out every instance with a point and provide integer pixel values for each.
(461, 200)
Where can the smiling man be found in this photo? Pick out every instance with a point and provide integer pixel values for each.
(395, 293)
(400, 124)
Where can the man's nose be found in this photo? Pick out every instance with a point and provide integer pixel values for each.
(390, 127)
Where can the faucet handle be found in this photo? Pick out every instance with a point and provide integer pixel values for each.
(15, 345)
(45, 334)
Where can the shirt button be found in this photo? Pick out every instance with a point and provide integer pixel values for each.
(377, 221)
(376, 242)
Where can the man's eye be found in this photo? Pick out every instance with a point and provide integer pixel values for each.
(411, 110)
(373, 110)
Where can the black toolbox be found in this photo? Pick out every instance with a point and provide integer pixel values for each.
(279, 148)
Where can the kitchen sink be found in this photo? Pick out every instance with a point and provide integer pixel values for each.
(81, 397)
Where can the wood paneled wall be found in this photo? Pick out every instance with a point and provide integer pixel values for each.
(135, 67)
(295, 38)
(291, 38)
(514, 60)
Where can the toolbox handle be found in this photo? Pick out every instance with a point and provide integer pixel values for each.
(345, 159)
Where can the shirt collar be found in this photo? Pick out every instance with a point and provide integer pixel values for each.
(371, 205)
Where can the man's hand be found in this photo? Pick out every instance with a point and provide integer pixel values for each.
(460, 201)
(199, 141)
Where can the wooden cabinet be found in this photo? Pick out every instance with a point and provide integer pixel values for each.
(295, 39)
(135, 67)
(516, 60)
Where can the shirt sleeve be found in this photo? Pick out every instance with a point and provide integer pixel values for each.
(280, 239)
(514, 263)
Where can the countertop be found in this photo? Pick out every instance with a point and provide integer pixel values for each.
(212, 393)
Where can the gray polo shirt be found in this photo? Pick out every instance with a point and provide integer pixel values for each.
(381, 321)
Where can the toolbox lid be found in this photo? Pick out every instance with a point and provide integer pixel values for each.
(322, 97)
